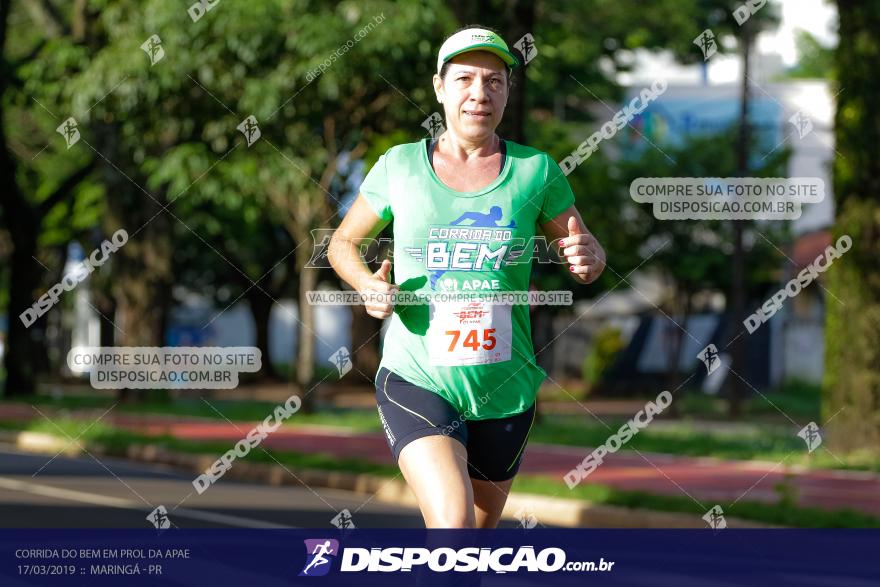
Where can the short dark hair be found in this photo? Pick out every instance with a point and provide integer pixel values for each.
(445, 67)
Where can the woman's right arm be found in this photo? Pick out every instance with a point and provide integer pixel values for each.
(359, 223)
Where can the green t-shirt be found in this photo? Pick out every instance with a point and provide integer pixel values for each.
(476, 355)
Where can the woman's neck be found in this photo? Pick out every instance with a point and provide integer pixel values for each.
(462, 149)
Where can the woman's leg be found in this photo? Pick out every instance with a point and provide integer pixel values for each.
(435, 467)
(495, 449)
(427, 438)
(489, 500)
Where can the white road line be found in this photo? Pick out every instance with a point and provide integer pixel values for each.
(228, 519)
(116, 502)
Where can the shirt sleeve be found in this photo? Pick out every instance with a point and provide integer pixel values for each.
(374, 189)
(557, 195)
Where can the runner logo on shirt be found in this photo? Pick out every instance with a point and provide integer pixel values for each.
(482, 245)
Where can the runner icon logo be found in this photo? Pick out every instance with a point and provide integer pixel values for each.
(471, 242)
(318, 553)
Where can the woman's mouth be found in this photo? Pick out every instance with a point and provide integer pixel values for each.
(475, 114)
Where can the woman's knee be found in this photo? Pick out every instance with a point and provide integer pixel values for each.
(451, 519)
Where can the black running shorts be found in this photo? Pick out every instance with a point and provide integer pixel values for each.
(494, 447)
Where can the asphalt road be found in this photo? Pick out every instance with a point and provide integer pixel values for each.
(37, 491)
(104, 492)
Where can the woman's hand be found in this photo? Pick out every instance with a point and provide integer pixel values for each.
(375, 289)
(585, 256)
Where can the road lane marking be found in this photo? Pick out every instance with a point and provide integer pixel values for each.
(116, 502)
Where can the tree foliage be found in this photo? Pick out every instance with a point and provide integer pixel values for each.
(852, 350)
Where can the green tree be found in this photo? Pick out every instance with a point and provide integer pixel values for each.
(814, 60)
(258, 273)
(694, 255)
(851, 385)
(41, 178)
(162, 131)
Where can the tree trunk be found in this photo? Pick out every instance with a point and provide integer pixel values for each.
(24, 280)
(673, 377)
(738, 282)
(852, 351)
(41, 357)
(107, 306)
(305, 360)
(513, 19)
(24, 222)
(364, 345)
(261, 310)
(141, 268)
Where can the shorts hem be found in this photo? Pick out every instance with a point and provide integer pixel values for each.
(496, 480)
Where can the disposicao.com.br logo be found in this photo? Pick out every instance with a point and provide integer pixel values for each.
(443, 559)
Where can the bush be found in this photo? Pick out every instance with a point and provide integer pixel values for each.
(607, 343)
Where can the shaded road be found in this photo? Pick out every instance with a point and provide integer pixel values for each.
(113, 493)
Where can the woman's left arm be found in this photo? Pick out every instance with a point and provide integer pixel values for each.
(583, 252)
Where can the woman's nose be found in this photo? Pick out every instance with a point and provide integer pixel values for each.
(478, 92)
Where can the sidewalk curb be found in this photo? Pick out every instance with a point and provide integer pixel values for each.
(555, 511)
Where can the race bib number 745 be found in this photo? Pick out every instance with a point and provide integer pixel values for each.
(469, 333)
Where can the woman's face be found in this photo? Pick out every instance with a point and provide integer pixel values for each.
(474, 94)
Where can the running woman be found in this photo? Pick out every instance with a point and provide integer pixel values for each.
(457, 384)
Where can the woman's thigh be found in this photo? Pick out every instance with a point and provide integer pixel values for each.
(435, 467)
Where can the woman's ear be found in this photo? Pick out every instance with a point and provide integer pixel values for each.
(438, 87)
